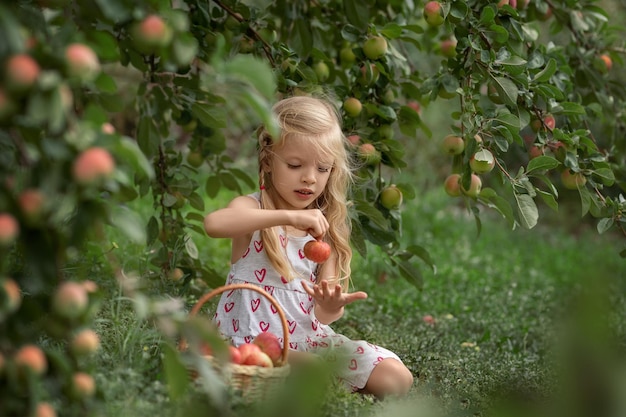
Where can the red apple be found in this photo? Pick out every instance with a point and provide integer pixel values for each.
(269, 344)
(433, 13)
(573, 180)
(32, 358)
(452, 185)
(369, 74)
(391, 197)
(375, 47)
(453, 145)
(82, 63)
(354, 139)
(45, 410)
(317, 251)
(352, 106)
(83, 385)
(21, 73)
(549, 122)
(258, 358)
(151, 33)
(246, 350)
(603, 63)
(85, 343)
(235, 355)
(93, 165)
(447, 47)
(474, 188)
(12, 293)
(535, 151)
(9, 229)
(31, 202)
(415, 106)
(369, 154)
(70, 300)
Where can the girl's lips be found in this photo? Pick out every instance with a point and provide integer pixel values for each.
(304, 194)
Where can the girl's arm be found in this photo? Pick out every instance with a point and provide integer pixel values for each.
(328, 294)
(243, 216)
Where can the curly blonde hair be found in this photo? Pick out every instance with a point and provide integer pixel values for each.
(316, 121)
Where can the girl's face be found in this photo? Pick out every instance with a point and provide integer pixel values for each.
(299, 174)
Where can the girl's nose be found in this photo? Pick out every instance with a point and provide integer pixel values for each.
(309, 176)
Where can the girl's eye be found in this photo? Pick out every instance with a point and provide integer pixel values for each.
(291, 166)
(323, 169)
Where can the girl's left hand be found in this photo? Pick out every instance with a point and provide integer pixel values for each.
(331, 297)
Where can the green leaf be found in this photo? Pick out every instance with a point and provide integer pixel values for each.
(507, 90)
(604, 224)
(423, 254)
(191, 248)
(208, 115)
(253, 72)
(606, 175)
(409, 272)
(212, 186)
(528, 213)
(152, 230)
(301, 38)
(129, 223)
(128, 151)
(549, 199)
(545, 74)
(487, 16)
(148, 137)
(541, 163)
(585, 200)
(356, 12)
(196, 201)
(175, 371)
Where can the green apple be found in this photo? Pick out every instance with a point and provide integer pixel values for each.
(375, 47)
(482, 161)
(352, 106)
(453, 145)
(391, 197)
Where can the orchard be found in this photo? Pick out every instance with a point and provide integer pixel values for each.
(103, 103)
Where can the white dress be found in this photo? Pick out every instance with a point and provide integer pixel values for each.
(241, 314)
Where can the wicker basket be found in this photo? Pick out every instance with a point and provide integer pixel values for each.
(251, 382)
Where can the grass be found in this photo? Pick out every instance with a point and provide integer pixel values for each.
(513, 310)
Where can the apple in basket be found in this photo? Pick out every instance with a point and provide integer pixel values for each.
(252, 354)
(269, 344)
(235, 355)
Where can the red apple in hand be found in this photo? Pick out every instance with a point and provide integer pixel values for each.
(317, 251)
(269, 344)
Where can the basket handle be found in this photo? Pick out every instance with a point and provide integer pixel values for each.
(283, 320)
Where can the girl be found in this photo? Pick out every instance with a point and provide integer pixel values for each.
(304, 176)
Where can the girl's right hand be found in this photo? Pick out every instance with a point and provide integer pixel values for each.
(312, 221)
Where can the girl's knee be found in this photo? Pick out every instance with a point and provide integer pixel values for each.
(389, 377)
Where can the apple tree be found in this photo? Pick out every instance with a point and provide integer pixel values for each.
(103, 102)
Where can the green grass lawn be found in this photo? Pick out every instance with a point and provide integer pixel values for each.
(523, 322)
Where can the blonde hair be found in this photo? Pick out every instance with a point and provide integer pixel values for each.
(315, 121)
